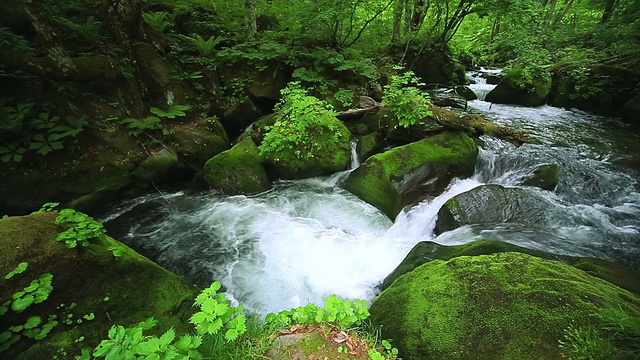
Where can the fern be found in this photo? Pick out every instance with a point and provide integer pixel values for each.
(172, 113)
(204, 47)
(157, 20)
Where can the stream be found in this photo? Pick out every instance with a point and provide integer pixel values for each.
(304, 240)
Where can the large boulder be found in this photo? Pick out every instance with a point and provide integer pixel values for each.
(545, 177)
(395, 178)
(197, 144)
(239, 116)
(238, 170)
(491, 204)
(159, 166)
(92, 289)
(603, 89)
(432, 62)
(426, 251)
(517, 88)
(500, 306)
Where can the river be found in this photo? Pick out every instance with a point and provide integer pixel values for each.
(304, 240)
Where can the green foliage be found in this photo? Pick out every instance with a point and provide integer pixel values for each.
(81, 228)
(46, 208)
(13, 48)
(172, 113)
(217, 315)
(138, 126)
(90, 30)
(204, 47)
(341, 312)
(131, 343)
(345, 97)
(12, 117)
(12, 152)
(157, 20)
(405, 100)
(300, 121)
(18, 270)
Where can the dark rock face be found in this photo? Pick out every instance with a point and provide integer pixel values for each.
(514, 89)
(501, 306)
(631, 110)
(599, 88)
(393, 179)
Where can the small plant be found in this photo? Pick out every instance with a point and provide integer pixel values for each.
(405, 100)
(216, 314)
(138, 126)
(131, 343)
(206, 4)
(172, 113)
(341, 312)
(45, 144)
(12, 117)
(12, 152)
(204, 47)
(80, 228)
(157, 20)
(345, 97)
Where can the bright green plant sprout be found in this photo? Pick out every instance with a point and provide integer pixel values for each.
(18, 270)
(80, 228)
(405, 100)
(47, 207)
(216, 314)
(204, 47)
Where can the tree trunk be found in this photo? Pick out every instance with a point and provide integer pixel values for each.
(250, 18)
(563, 13)
(397, 20)
(609, 7)
(549, 15)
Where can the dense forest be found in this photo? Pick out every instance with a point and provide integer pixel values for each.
(106, 105)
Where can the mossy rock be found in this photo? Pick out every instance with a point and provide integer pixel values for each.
(493, 204)
(631, 110)
(238, 170)
(199, 144)
(426, 251)
(392, 179)
(386, 124)
(514, 89)
(603, 89)
(159, 166)
(544, 176)
(500, 306)
(122, 291)
(239, 116)
(308, 345)
(368, 144)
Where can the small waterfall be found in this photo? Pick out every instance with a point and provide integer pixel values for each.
(340, 177)
(481, 88)
(355, 160)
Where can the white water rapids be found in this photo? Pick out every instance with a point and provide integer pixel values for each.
(304, 240)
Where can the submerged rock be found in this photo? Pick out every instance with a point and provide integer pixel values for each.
(515, 89)
(239, 170)
(489, 204)
(390, 180)
(501, 306)
(92, 289)
(544, 176)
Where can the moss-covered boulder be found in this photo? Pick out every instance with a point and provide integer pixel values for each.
(501, 306)
(238, 170)
(493, 204)
(602, 89)
(159, 166)
(426, 251)
(393, 179)
(518, 88)
(631, 110)
(239, 116)
(544, 176)
(314, 345)
(368, 145)
(92, 290)
(199, 143)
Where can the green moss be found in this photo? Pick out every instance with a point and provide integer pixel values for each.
(382, 179)
(238, 170)
(545, 177)
(520, 87)
(310, 345)
(136, 287)
(501, 306)
(157, 166)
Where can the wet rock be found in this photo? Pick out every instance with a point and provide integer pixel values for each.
(239, 116)
(239, 170)
(448, 99)
(465, 92)
(393, 179)
(515, 89)
(196, 145)
(631, 110)
(500, 306)
(544, 176)
(160, 166)
(368, 145)
(602, 89)
(87, 282)
(490, 204)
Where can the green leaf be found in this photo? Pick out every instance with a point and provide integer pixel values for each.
(231, 334)
(33, 322)
(168, 337)
(214, 326)
(19, 305)
(18, 270)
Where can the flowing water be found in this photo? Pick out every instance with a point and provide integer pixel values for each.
(304, 240)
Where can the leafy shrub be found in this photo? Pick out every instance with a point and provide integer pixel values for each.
(405, 100)
(157, 20)
(304, 125)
